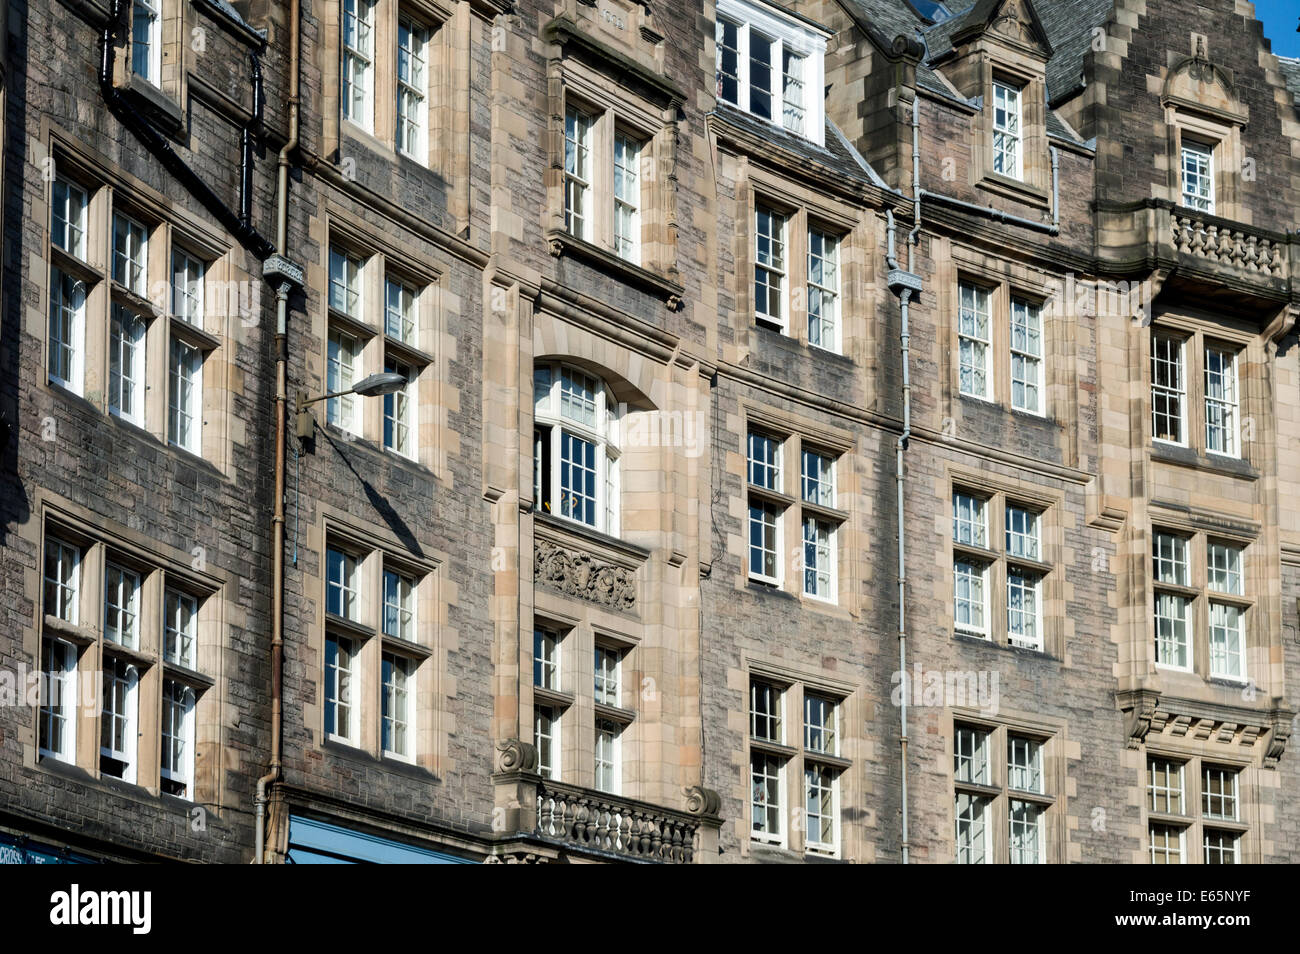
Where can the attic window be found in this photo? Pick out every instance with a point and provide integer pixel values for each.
(770, 65)
(1006, 130)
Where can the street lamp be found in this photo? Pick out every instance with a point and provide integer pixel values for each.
(385, 382)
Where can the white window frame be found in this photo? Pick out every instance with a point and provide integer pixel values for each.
(1173, 391)
(1024, 533)
(627, 196)
(188, 275)
(820, 723)
(546, 658)
(1027, 357)
(976, 574)
(973, 849)
(579, 131)
(767, 704)
(128, 675)
(1008, 129)
(412, 91)
(149, 66)
(1226, 798)
(821, 780)
(397, 693)
(1024, 764)
(823, 290)
(1208, 832)
(1024, 621)
(820, 558)
(179, 771)
(546, 729)
(338, 692)
(67, 585)
(817, 477)
(126, 363)
(1164, 784)
(399, 606)
(1227, 643)
(130, 254)
(1170, 647)
(558, 390)
(400, 410)
(180, 628)
(1196, 167)
(343, 355)
(788, 36)
(185, 396)
(69, 207)
(607, 756)
(1167, 851)
(772, 265)
(1225, 562)
(357, 67)
(974, 349)
(342, 572)
(1224, 407)
(772, 782)
(970, 755)
(401, 302)
(67, 330)
(1025, 834)
(970, 519)
(767, 516)
(59, 699)
(607, 683)
(122, 604)
(346, 272)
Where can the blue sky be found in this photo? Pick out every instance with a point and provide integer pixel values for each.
(1280, 18)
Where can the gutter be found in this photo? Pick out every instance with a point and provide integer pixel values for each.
(281, 272)
(997, 215)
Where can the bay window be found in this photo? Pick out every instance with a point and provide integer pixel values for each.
(770, 65)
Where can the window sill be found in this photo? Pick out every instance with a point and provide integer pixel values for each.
(552, 697)
(1018, 190)
(772, 748)
(617, 714)
(1181, 456)
(162, 108)
(70, 632)
(68, 263)
(191, 677)
(406, 647)
(567, 532)
(133, 656)
(347, 627)
(194, 335)
(562, 243)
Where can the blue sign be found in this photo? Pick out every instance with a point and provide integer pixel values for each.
(313, 842)
(20, 850)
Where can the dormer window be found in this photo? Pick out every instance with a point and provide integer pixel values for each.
(1007, 130)
(770, 65)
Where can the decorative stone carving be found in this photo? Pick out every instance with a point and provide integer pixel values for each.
(516, 756)
(580, 575)
(1139, 709)
(702, 801)
(1280, 732)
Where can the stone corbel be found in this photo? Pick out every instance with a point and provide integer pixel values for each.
(1279, 733)
(1139, 708)
(515, 756)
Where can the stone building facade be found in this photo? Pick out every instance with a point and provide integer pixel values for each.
(745, 431)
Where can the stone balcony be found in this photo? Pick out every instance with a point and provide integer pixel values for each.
(541, 820)
(1207, 257)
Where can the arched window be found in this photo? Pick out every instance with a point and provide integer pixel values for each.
(575, 446)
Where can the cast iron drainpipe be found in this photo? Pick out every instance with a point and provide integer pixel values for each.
(281, 407)
(130, 117)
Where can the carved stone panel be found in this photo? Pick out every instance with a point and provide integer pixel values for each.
(581, 575)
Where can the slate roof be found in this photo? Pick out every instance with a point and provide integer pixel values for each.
(1291, 73)
(837, 155)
